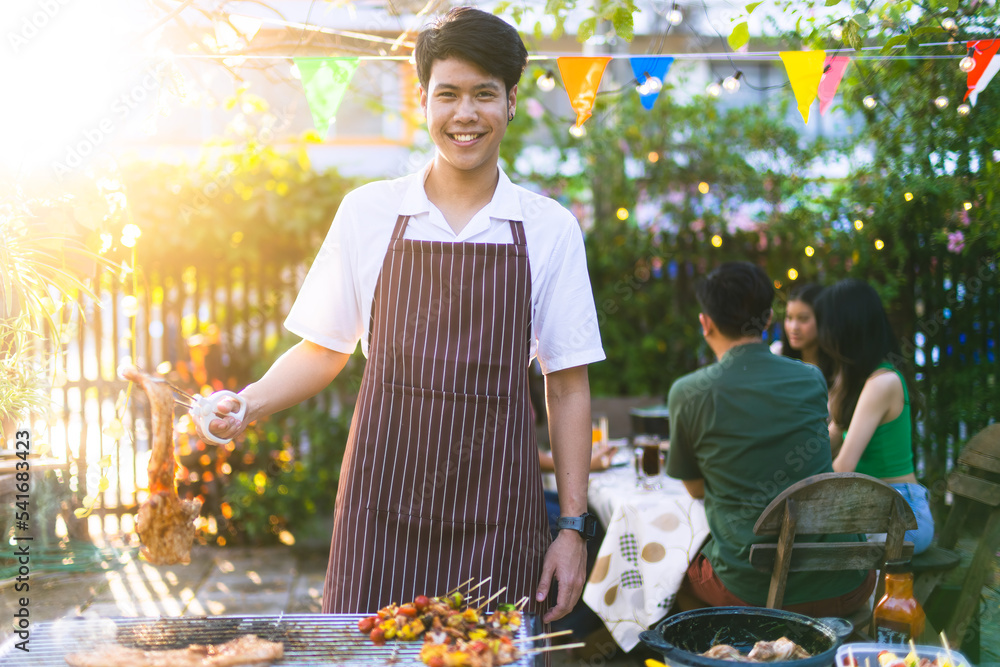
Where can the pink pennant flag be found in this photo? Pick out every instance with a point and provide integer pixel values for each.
(986, 66)
(833, 72)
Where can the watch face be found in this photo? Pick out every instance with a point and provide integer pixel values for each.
(589, 525)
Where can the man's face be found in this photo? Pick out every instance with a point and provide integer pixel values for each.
(467, 111)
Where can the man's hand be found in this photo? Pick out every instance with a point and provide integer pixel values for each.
(566, 561)
(227, 426)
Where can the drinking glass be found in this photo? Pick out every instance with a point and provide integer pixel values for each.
(649, 462)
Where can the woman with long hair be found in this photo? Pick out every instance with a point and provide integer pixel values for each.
(799, 335)
(870, 427)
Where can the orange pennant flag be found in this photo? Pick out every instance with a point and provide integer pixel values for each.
(805, 70)
(581, 76)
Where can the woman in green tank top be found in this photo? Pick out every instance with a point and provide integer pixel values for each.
(870, 430)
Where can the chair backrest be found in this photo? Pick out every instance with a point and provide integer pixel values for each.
(828, 504)
(975, 480)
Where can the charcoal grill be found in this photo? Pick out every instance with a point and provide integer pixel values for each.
(309, 639)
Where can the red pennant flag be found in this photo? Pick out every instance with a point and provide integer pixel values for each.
(986, 66)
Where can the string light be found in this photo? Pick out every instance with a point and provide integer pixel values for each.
(650, 86)
(675, 16)
(793, 274)
(810, 251)
(858, 225)
(703, 188)
(653, 156)
(968, 63)
(714, 89)
(967, 205)
(963, 109)
(908, 196)
(577, 131)
(717, 241)
(837, 32)
(949, 24)
(546, 82)
(941, 102)
(879, 244)
(732, 83)
(870, 102)
(622, 214)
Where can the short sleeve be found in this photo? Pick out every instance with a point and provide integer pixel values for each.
(565, 318)
(327, 308)
(681, 460)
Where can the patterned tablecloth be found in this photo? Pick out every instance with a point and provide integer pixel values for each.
(651, 538)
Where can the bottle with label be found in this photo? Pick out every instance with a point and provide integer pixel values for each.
(898, 616)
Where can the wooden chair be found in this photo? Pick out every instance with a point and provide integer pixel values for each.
(825, 504)
(975, 480)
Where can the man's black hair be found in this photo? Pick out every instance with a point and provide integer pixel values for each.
(477, 37)
(737, 296)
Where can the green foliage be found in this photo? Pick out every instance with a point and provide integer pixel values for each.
(617, 15)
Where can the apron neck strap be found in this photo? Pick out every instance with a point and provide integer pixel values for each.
(516, 230)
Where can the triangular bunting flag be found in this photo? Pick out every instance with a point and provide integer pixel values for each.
(324, 81)
(581, 76)
(986, 67)
(650, 66)
(831, 81)
(805, 69)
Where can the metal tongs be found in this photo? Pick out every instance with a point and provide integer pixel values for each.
(204, 408)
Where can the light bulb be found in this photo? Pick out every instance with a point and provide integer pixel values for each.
(879, 244)
(967, 64)
(653, 85)
(870, 102)
(949, 24)
(643, 88)
(837, 32)
(731, 84)
(546, 82)
(577, 131)
(941, 102)
(792, 274)
(908, 196)
(675, 16)
(963, 109)
(714, 89)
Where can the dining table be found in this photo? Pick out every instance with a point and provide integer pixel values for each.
(651, 536)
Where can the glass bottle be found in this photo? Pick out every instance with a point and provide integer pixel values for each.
(898, 616)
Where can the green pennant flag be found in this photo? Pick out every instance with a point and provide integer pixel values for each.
(324, 81)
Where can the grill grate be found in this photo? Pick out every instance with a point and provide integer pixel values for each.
(309, 639)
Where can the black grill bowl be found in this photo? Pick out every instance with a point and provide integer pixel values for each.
(682, 637)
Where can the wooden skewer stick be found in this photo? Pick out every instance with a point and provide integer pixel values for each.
(459, 587)
(479, 584)
(491, 599)
(470, 603)
(543, 636)
(522, 602)
(947, 649)
(557, 647)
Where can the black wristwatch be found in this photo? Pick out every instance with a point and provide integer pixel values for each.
(585, 524)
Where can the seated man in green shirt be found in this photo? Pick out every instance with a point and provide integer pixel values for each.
(741, 431)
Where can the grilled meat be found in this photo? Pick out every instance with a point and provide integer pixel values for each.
(165, 523)
(244, 651)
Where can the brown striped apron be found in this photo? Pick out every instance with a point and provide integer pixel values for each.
(440, 482)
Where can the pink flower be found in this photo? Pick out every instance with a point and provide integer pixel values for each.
(956, 241)
(535, 108)
(963, 216)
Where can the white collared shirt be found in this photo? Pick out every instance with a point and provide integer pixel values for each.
(333, 308)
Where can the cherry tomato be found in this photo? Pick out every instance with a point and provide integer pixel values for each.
(421, 602)
(366, 625)
(408, 610)
(377, 636)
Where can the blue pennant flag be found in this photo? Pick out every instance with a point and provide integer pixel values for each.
(646, 67)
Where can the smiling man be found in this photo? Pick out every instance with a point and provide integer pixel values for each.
(452, 279)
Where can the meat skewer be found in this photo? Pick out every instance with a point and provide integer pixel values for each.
(165, 523)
